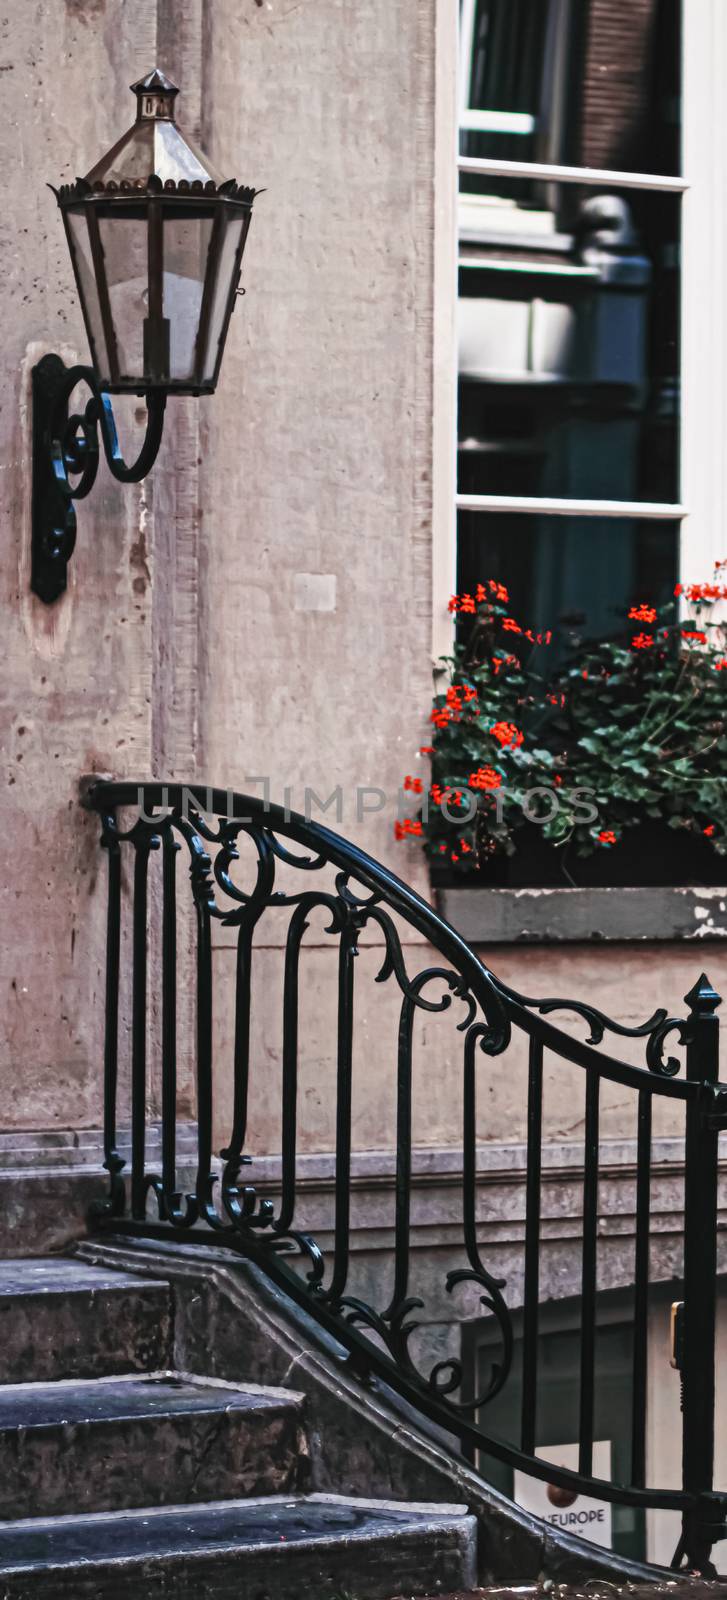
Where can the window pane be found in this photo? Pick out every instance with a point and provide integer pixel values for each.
(81, 255)
(231, 244)
(186, 243)
(581, 573)
(124, 241)
(505, 64)
(569, 345)
(600, 82)
(559, 1347)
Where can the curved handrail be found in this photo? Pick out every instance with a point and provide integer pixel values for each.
(167, 818)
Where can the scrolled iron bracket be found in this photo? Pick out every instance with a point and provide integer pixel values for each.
(67, 447)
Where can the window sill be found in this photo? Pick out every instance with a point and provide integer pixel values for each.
(560, 916)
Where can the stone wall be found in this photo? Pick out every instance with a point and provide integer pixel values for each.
(260, 605)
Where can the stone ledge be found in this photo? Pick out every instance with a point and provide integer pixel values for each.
(48, 1181)
(497, 1161)
(49, 1178)
(584, 916)
(81, 1149)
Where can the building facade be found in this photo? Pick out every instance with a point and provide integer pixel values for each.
(265, 612)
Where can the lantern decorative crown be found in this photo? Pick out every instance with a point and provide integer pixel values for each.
(156, 239)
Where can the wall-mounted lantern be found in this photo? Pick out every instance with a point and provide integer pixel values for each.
(156, 239)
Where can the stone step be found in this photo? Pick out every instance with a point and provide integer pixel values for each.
(279, 1549)
(117, 1443)
(65, 1319)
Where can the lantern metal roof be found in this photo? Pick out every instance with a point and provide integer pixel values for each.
(154, 154)
(154, 143)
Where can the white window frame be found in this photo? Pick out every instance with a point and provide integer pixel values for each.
(702, 510)
(483, 121)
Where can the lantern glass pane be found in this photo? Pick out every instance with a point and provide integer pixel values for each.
(88, 290)
(232, 235)
(186, 246)
(124, 240)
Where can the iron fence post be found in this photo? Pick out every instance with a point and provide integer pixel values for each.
(702, 1524)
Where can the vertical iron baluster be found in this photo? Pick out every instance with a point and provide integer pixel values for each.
(347, 952)
(169, 1020)
(532, 1246)
(492, 1299)
(243, 981)
(641, 1292)
(469, 1151)
(289, 1141)
(205, 1179)
(703, 1525)
(403, 1157)
(588, 1292)
(235, 1204)
(113, 1162)
(143, 842)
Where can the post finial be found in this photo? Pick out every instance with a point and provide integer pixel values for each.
(703, 997)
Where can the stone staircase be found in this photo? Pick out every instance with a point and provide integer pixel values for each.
(122, 1477)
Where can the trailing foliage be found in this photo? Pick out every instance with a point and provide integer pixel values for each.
(617, 732)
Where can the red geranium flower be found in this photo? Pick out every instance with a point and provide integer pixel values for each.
(506, 733)
(485, 778)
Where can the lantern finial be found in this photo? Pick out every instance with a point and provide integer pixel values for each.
(155, 95)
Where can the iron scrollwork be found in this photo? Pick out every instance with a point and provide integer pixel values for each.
(66, 461)
(598, 1021)
(223, 1200)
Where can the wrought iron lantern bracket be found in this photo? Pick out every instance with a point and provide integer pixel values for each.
(66, 447)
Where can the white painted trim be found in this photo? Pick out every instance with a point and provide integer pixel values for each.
(497, 121)
(704, 282)
(531, 269)
(444, 353)
(467, 18)
(591, 177)
(646, 510)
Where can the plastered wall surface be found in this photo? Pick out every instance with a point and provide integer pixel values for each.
(75, 692)
(261, 606)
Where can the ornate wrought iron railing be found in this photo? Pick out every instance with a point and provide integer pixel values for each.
(297, 869)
